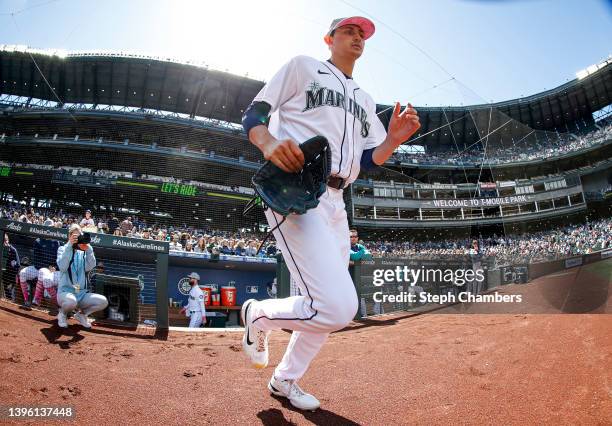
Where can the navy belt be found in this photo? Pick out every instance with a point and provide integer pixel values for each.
(336, 182)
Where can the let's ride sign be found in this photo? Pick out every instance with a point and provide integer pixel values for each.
(179, 188)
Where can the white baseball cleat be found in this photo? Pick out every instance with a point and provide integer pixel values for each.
(254, 341)
(296, 396)
(82, 319)
(62, 321)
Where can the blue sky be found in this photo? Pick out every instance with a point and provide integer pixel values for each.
(491, 50)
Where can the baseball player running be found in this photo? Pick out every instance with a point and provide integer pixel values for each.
(309, 97)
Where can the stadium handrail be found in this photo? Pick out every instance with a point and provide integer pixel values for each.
(236, 131)
(129, 175)
(132, 112)
(130, 146)
(455, 222)
(514, 163)
(365, 183)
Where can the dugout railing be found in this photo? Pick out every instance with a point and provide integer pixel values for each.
(141, 282)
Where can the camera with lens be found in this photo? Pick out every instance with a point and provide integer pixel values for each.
(82, 241)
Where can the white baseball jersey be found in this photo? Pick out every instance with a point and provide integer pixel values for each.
(28, 273)
(196, 300)
(48, 278)
(311, 97)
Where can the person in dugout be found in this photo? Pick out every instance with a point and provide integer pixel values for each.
(195, 309)
(48, 279)
(9, 275)
(27, 277)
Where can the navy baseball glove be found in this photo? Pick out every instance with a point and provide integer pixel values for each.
(287, 193)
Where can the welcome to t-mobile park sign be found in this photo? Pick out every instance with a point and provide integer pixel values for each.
(479, 202)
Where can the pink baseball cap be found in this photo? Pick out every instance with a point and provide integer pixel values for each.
(364, 23)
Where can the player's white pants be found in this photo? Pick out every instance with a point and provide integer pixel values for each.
(195, 319)
(89, 304)
(315, 247)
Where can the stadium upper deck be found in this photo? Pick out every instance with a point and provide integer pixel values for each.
(147, 116)
(190, 90)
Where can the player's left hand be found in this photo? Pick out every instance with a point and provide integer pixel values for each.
(403, 125)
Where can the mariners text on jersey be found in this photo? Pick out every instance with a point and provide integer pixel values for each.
(309, 97)
(318, 96)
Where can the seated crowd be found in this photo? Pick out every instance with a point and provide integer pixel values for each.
(185, 239)
(522, 151)
(508, 249)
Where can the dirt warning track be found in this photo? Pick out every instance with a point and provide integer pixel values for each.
(436, 368)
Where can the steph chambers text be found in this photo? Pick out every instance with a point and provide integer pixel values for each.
(442, 299)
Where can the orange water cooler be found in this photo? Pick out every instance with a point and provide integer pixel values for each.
(228, 295)
(207, 292)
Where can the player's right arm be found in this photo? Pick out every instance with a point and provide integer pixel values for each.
(285, 154)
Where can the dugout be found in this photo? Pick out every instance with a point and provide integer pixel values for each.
(122, 294)
(252, 278)
(135, 269)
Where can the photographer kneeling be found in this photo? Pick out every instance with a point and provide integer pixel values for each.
(75, 259)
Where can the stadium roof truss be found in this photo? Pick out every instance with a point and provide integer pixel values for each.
(140, 83)
(155, 85)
